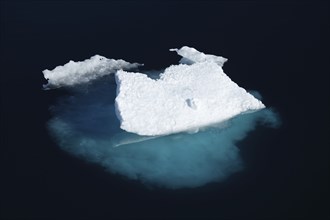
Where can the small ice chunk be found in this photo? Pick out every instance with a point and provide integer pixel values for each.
(191, 55)
(73, 73)
(184, 98)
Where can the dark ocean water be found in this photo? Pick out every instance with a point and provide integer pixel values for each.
(278, 49)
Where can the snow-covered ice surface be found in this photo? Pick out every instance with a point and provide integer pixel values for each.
(185, 98)
(74, 73)
(85, 122)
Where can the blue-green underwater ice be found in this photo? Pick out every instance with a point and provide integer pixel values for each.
(85, 125)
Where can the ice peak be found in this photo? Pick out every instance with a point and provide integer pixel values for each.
(191, 55)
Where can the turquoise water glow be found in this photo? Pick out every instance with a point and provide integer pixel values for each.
(85, 125)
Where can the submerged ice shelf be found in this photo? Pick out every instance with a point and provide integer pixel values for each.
(187, 96)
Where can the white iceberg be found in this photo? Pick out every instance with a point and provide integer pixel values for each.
(184, 98)
(74, 73)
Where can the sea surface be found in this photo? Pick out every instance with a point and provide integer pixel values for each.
(277, 49)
